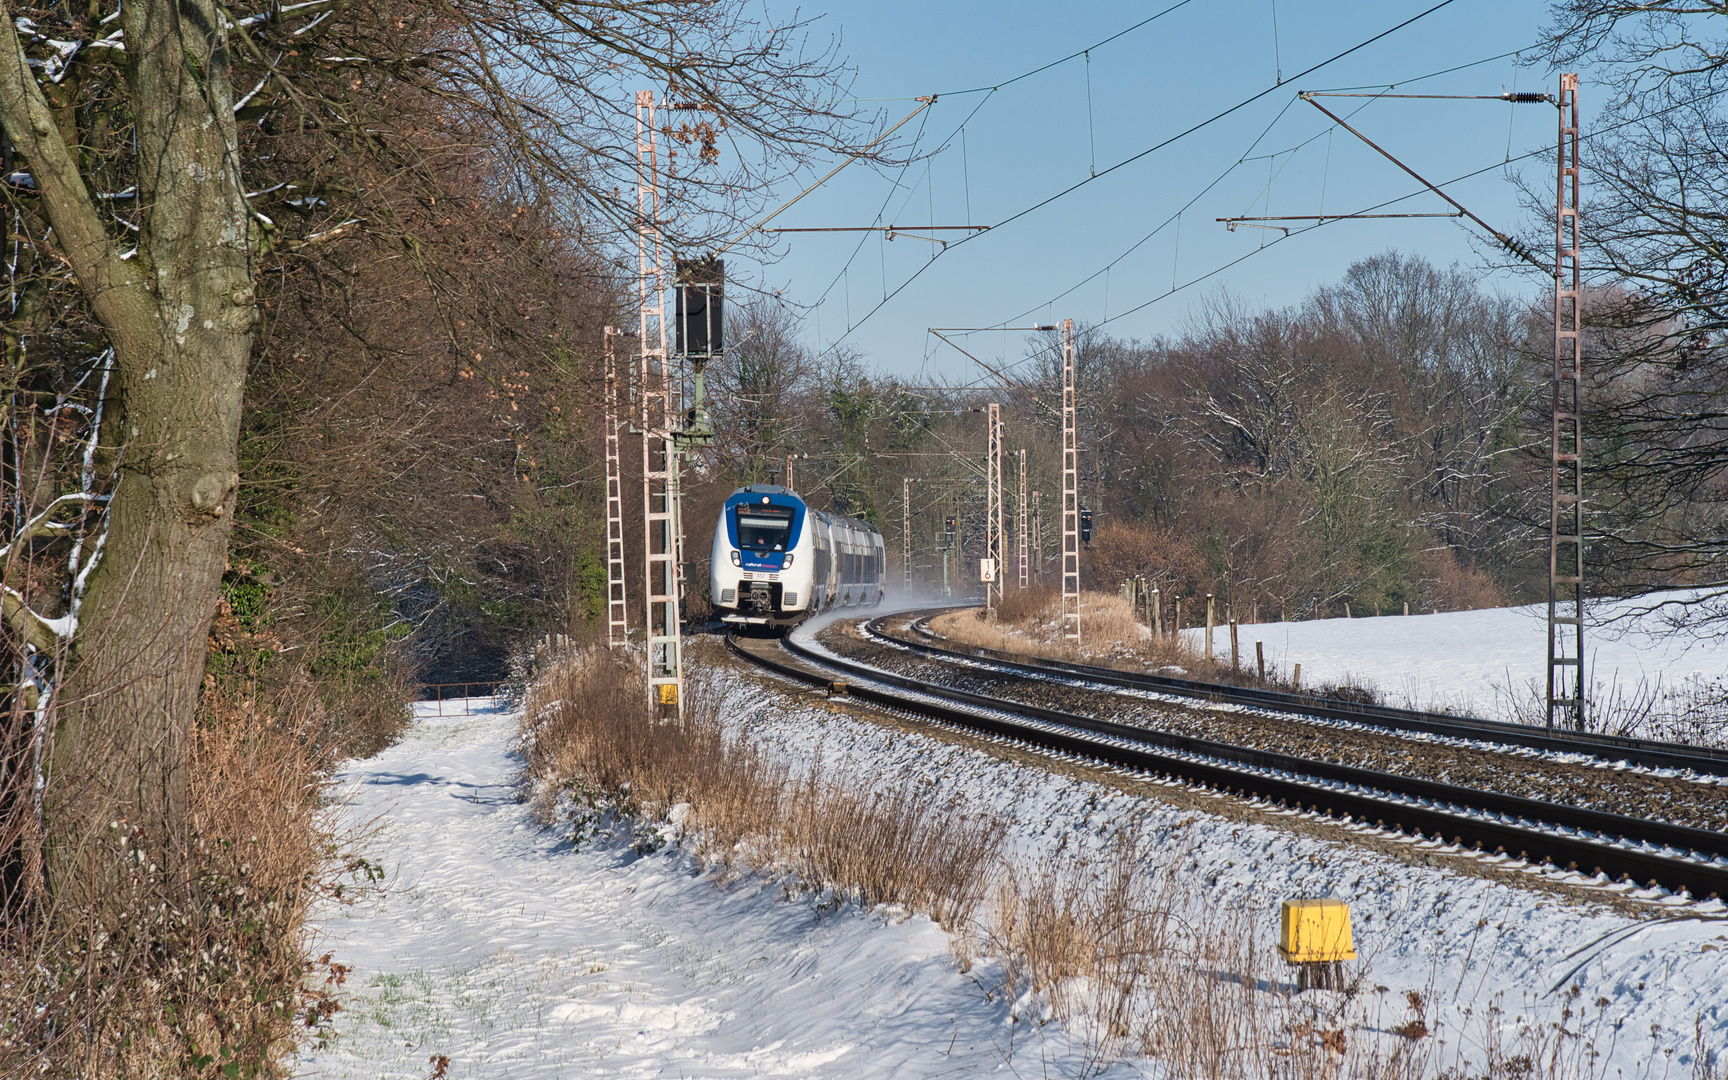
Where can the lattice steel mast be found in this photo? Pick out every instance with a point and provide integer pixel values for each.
(1023, 579)
(906, 483)
(1566, 506)
(992, 568)
(1070, 494)
(617, 596)
(660, 501)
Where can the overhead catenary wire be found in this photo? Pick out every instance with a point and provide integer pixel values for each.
(1245, 157)
(1083, 52)
(1214, 118)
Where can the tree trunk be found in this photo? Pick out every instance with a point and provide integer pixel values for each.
(179, 312)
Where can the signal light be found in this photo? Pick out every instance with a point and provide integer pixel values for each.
(1085, 526)
(699, 315)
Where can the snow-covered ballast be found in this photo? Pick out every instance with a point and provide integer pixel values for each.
(776, 561)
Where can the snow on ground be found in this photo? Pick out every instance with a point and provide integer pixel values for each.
(499, 945)
(1479, 662)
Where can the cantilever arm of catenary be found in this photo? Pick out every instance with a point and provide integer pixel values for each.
(924, 103)
(1509, 243)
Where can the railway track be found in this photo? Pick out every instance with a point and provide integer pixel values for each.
(1614, 846)
(1648, 753)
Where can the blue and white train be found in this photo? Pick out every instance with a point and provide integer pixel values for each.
(777, 561)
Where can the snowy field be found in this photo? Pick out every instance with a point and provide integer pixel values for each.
(1483, 662)
(500, 946)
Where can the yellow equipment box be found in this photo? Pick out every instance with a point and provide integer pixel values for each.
(667, 693)
(1315, 931)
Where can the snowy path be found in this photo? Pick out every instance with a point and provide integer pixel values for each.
(499, 946)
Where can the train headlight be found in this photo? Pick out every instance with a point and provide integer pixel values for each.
(736, 561)
(787, 565)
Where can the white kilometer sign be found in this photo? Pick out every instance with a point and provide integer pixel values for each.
(986, 569)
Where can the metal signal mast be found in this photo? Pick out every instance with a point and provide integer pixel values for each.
(1566, 505)
(660, 496)
(991, 571)
(1070, 494)
(1022, 555)
(617, 606)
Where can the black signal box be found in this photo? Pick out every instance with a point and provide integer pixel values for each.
(700, 313)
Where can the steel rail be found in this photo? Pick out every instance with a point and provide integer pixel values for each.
(1307, 784)
(1646, 752)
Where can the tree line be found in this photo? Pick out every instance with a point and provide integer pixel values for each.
(301, 366)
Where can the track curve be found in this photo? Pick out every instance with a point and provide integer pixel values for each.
(1677, 857)
(1649, 753)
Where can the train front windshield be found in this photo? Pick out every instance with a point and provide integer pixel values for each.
(764, 528)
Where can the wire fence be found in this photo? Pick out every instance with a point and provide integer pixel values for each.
(458, 698)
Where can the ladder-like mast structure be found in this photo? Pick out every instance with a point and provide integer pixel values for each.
(617, 596)
(1070, 494)
(992, 570)
(1022, 556)
(906, 483)
(660, 501)
(1566, 505)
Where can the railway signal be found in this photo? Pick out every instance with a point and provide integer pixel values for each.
(1086, 526)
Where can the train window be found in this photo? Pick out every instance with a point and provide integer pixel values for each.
(764, 528)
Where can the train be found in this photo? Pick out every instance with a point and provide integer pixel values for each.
(778, 561)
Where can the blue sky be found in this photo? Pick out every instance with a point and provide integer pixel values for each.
(1035, 137)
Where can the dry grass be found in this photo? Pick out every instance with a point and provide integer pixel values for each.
(1029, 623)
(594, 750)
(1121, 951)
(211, 975)
(1118, 946)
(1691, 710)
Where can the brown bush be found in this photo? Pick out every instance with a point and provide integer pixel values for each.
(593, 748)
(1449, 585)
(1161, 556)
(211, 969)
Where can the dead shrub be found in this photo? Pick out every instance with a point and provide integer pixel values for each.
(1121, 551)
(593, 748)
(1449, 585)
(209, 974)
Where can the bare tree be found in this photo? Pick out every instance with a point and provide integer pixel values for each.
(1656, 232)
(136, 182)
(759, 387)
